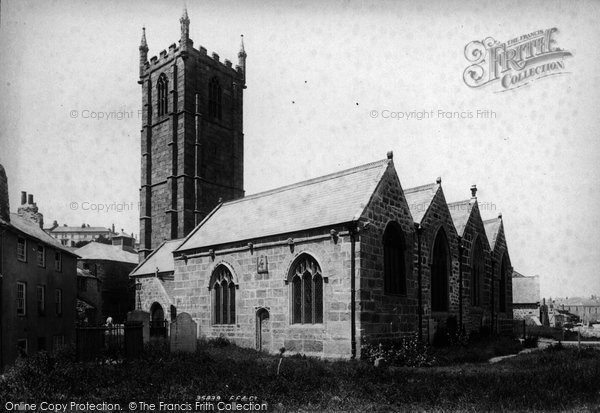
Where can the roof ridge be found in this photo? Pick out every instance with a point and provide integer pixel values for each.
(465, 201)
(311, 181)
(420, 188)
(489, 221)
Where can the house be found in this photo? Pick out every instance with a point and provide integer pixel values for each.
(111, 265)
(526, 297)
(37, 283)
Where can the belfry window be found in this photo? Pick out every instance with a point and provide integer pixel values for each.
(214, 99)
(440, 272)
(393, 257)
(307, 291)
(223, 296)
(162, 93)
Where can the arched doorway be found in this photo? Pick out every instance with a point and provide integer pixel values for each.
(263, 330)
(158, 324)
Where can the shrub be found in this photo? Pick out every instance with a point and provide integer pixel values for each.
(530, 342)
(404, 351)
(219, 342)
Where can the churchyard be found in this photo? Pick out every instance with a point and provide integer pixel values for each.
(453, 378)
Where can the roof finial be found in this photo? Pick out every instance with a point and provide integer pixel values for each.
(390, 155)
(438, 180)
(473, 191)
(500, 215)
(185, 28)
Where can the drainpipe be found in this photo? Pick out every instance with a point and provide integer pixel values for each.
(419, 231)
(353, 237)
(460, 283)
(493, 293)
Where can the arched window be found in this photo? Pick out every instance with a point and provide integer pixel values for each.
(307, 291)
(162, 87)
(440, 271)
(477, 271)
(214, 99)
(394, 268)
(223, 296)
(502, 288)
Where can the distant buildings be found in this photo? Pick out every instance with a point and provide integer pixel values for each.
(70, 236)
(526, 297)
(106, 267)
(37, 282)
(586, 309)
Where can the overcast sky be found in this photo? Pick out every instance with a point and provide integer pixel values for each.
(316, 76)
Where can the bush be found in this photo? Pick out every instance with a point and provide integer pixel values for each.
(219, 342)
(405, 351)
(530, 342)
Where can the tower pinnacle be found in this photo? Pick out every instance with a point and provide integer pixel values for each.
(184, 21)
(143, 44)
(242, 57)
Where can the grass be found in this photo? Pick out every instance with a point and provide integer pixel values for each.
(554, 379)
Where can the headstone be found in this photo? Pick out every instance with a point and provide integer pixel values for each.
(183, 333)
(144, 317)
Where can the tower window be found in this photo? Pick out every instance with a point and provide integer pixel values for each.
(162, 93)
(393, 257)
(307, 291)
(214, 99)
(223, 296)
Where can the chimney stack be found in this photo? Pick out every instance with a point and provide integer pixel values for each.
(29, 210)
(4, 205)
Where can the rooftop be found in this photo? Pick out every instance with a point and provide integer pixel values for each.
(33, 230)
(460, 212)
(160, 259)
(419, 198)
(492, 226)
(100, 251)
(328, 200)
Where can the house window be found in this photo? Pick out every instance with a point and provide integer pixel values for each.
(58, 342)
(41, 343)
(21, 298)
(214, 99)
(58, 301)
(307, 291)
(393, 259)
(22, 347)
(477, 271)
(502, 292)
(223, 296)
(81, 284)
(41, 299)
(163, 93)
(440, 271)
(41, 256)
(58, 261)
(21, 249)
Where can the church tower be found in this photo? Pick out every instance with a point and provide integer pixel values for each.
(192, 137)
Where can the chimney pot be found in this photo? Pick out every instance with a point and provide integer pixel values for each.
(473, 191)
(23, 197)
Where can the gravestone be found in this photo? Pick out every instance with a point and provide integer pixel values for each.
(184, 333)
(144, 317)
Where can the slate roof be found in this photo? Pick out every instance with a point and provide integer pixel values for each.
(33, 230)
(100, 251)
(161, 258)
(80, 229)
(526, 290)
(492, 226)
(460, 212)
(328, 200)
(419, 199)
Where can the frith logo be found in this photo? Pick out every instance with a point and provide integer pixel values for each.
(516, 62)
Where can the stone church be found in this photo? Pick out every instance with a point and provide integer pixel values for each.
(318, 267)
